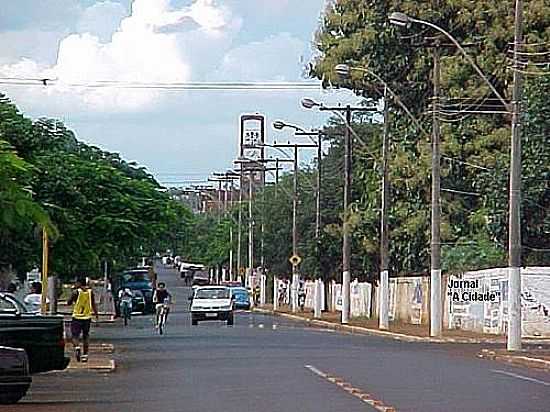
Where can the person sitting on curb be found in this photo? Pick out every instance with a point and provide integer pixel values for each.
(84, 307)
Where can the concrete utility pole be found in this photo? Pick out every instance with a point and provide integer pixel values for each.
(514, 240)
(346, 241)
(295, 275)
(435, 273)
(250, 231)
(240, 223)
(346, 237)
(383, 308)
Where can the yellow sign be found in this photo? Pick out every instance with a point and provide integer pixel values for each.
(295, 260)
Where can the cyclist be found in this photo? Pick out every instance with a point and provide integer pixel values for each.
(125, 298)
(160, 298)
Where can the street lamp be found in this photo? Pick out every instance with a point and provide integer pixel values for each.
(346, 236)
(299, 131)
(309, 103)
(514, 222)
(344, 71)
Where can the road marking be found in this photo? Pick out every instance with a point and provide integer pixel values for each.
(349, 388)
(525, 378)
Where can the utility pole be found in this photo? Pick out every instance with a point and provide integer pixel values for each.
(346, 241)
(435, 273)
(250, 231)
(383, 307)
(43, 304)
(514, 214)
(231, 268)
(295, 275)
(239, 242)
(318, 201)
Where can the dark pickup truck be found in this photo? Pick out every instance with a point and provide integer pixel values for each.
(40, 336)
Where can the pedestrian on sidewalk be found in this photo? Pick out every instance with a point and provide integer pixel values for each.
(84, 308)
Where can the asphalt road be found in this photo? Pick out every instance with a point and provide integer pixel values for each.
(268, 364)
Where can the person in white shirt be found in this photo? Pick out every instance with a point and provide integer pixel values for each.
(34, 299)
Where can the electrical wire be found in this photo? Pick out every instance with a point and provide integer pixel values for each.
(174, 86)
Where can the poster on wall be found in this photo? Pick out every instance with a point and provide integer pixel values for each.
(416, 303)
(491, 316)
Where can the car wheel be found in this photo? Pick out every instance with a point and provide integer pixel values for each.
(230, 320)
(13, 397)
(194, 322)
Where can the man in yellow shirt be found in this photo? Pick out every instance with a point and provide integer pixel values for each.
(83, 310)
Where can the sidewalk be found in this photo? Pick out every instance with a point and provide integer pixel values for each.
(531, 358)
(100, 359)
(397, 331)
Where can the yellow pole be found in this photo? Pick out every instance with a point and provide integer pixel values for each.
(43, 305)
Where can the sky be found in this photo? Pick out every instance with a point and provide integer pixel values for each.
(178, 135)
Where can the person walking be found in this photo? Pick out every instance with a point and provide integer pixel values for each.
(84, 308)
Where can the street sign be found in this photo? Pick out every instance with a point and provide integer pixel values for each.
(295, 260)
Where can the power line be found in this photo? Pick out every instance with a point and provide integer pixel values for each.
(175, 86)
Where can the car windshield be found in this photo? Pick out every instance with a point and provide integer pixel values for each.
(240, 293)
(135, 277)
(8, 303)
(212, 294)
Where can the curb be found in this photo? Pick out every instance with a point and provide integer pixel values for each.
(515, 359)
(375, 332)
(108, 368)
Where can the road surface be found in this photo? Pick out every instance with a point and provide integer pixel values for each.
(268, 364)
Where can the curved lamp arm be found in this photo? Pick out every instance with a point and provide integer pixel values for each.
(467, 56)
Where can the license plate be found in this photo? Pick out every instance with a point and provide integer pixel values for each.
(211, 315)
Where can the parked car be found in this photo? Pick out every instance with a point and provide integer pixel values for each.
(241, 298)
(211, 303)
(40, 336)
(15, 378)
(136, 280)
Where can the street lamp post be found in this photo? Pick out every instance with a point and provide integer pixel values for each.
(514, 225)
(295, 274)
(346, 235)
(344, 71)
(299, 131)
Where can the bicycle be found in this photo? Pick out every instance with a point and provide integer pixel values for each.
(162, 316)
(126, 311)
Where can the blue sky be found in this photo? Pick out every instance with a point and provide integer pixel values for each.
(177, 135)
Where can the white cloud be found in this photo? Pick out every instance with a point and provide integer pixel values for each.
(275, 58)
(139, 51)
(101, 19)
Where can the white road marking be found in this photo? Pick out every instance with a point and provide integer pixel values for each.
(353, 391)
(525, 378)
(261, 325)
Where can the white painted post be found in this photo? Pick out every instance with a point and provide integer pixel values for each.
(294, 292)
(275, 293)
(383, 301)
(263, 279)
(317, 299)
(435, 302)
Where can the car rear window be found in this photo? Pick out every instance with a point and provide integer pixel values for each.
(212, 294)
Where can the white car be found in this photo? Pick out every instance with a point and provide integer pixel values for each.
(212, 303)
